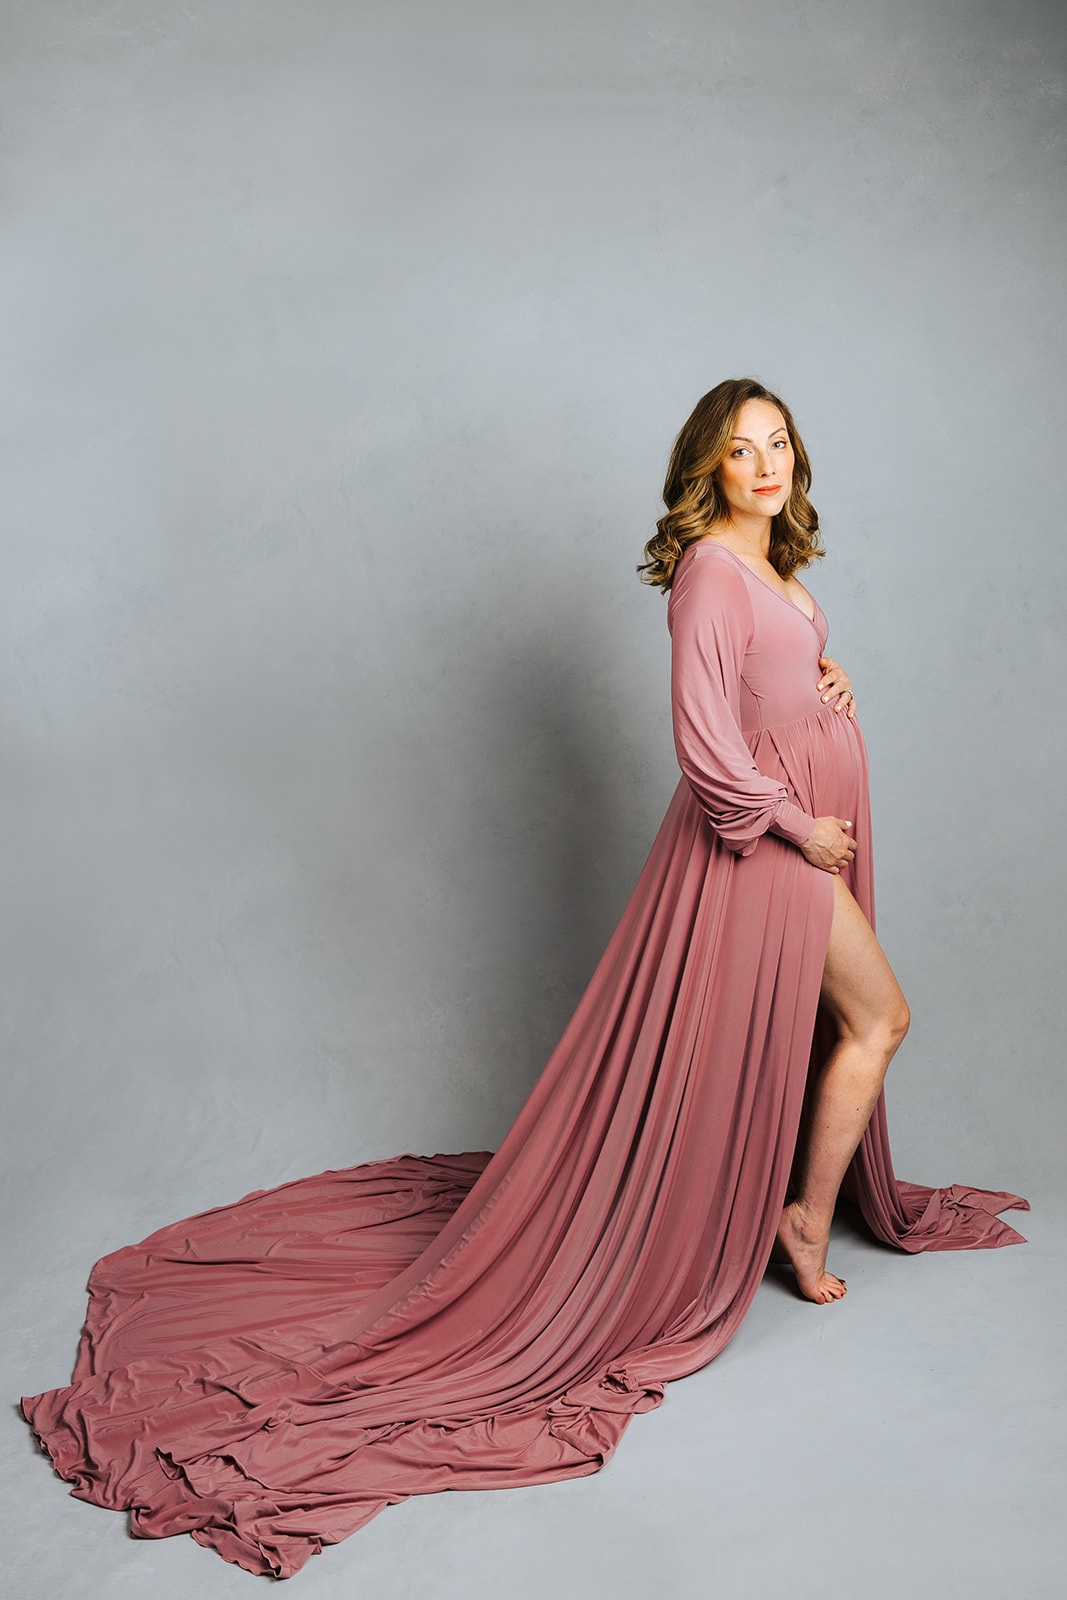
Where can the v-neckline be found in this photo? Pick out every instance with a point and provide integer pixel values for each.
(770, 586)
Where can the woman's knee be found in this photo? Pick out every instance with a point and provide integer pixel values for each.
(879, 1031)
(888, 1029)
(902, 1020)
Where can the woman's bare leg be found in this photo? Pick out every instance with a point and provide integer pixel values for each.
(870, 1012)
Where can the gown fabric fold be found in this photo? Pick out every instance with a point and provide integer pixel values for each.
(269, 1375)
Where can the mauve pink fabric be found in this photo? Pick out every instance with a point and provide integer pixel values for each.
(270, 1374)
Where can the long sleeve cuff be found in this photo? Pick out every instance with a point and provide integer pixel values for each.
(791, 823)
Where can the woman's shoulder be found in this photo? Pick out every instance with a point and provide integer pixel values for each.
(709, 576)
(708, 561)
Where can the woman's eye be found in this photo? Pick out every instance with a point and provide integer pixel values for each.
(780, 444)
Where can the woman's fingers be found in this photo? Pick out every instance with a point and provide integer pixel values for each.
(849, 850)
(830, 847)
(835, 681)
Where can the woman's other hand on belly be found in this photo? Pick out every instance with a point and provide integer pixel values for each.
(830, 847)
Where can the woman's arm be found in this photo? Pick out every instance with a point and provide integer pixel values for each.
(710, 618)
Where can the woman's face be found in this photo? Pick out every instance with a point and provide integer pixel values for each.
(757, 474)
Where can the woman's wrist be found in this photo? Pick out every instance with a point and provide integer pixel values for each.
(792, 823)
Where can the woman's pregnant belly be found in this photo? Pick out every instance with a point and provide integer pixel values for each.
(822, 760)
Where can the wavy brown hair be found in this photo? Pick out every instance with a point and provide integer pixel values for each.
(695, 502)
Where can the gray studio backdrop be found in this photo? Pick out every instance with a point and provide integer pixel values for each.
(345, 345)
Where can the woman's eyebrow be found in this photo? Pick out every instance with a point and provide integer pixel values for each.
(744, 440)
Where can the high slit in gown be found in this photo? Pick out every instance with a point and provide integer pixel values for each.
(269, 1375)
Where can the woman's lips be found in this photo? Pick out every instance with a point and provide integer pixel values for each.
(776, 489)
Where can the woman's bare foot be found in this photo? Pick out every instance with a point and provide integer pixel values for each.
(804, 1247)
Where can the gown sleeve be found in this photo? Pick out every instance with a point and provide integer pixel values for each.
(711, 621)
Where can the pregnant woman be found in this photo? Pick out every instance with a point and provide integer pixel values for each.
(269, 1375)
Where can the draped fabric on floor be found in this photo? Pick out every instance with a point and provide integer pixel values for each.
(271, 1374)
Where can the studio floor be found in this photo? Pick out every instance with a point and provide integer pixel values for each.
(904, 1445)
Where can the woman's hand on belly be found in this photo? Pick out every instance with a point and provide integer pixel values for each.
(830, 846)
(835, 681)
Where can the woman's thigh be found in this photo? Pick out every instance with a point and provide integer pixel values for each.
(859, 989)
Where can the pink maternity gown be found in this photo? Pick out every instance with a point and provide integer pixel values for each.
(269, 1375)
